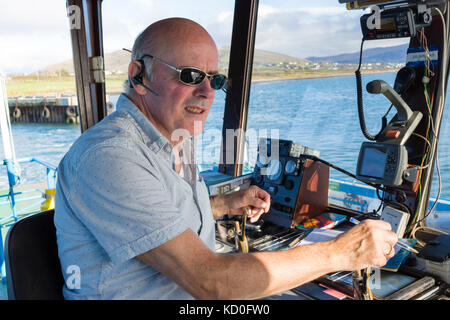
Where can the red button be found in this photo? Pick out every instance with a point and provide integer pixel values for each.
(392, 134)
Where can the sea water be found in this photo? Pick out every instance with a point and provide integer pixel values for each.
(318, 113)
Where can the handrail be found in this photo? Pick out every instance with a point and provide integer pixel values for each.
(5, 222)
(51, 171)
(42, 162)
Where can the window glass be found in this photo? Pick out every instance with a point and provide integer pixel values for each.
(123, 21)
(36, 58)
(304, 88)
(440, 216)
(37, 62)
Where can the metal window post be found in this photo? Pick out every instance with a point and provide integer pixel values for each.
(238, 94)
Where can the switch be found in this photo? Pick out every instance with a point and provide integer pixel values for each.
(392, 134)
(289, 184)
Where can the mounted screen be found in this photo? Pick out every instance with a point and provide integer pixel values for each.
(373, 162)
(382, 163)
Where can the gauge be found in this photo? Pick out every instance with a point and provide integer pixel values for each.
(274, 170)
(290, 167)
(262, 160)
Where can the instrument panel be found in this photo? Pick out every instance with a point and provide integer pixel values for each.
(279, 170)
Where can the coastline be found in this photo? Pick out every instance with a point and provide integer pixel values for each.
(117, 84)
(337, 75)
(308, 77)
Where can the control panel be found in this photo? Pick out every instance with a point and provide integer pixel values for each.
(284, 172)
(396, 23)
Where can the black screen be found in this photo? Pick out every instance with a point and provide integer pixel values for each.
(372, 164)
(388, 24)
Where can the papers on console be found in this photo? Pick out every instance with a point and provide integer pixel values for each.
(321, 235)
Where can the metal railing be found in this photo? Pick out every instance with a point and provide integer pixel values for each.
(34, 195)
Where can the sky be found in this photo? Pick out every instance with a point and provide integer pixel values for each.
(35, 34)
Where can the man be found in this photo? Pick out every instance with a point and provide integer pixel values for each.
(133, 217)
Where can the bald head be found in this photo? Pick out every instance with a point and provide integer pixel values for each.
(167, 101)
(165, 35)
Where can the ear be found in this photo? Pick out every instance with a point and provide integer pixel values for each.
(134, 69)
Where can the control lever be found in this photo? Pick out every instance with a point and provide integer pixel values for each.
(243, 241)
(404, 123)
(380, 86)
(361, 284)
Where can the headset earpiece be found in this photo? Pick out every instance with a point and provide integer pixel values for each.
(137, 79)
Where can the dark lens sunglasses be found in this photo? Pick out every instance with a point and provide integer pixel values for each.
(192, 76)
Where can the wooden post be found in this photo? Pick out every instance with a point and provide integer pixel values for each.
(87, 44)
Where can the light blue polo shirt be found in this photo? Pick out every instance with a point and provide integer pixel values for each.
(119, 196)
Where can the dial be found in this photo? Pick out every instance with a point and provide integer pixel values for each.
(290, 167)
(274, 170)
(262, 160)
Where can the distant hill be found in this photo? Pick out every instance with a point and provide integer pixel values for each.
(262, 58)
(114, 61)
(396, 54)
(118, 61)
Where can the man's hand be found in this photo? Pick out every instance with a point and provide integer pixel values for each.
(370, 243)
(234, 203)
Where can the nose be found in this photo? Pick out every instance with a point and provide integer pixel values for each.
(204, 89)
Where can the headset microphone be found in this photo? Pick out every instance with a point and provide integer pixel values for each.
(139, 83)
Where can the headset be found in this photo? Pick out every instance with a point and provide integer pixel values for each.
(137, 79)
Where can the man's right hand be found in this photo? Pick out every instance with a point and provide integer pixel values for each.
(368, 244)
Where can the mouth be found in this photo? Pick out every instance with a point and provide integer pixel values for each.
(194, 110)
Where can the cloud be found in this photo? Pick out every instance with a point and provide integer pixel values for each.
(303, 33)
(47, 15)
(35, 34)
(122, 22)
(265, 10)
(309, 31)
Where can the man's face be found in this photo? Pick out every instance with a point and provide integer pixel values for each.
(181, 106)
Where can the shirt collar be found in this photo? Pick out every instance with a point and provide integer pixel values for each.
(153, 138)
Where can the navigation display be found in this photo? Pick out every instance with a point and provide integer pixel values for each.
(373, 162)
(388, 25)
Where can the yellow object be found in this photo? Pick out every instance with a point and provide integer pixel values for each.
(71, 120)
(49, 202)
(243, 242)
(352, 5)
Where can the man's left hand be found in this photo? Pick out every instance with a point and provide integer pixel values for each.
(255, 198)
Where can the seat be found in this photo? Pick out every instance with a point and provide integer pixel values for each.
(33, 270)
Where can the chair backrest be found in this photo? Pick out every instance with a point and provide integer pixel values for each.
(33, 270)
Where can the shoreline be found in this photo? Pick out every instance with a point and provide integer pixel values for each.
(117, 91)
(278, 79)
(318, 77)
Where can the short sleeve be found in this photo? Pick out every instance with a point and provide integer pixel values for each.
(119, 196)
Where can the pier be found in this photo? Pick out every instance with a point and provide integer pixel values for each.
(46, 109)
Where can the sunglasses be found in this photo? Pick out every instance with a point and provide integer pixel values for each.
(192, 76)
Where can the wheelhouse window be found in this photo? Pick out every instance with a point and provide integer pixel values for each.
(36, 60)
(304, 90)
(123, 21)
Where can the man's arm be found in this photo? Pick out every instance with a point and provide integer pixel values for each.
(208, 275)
